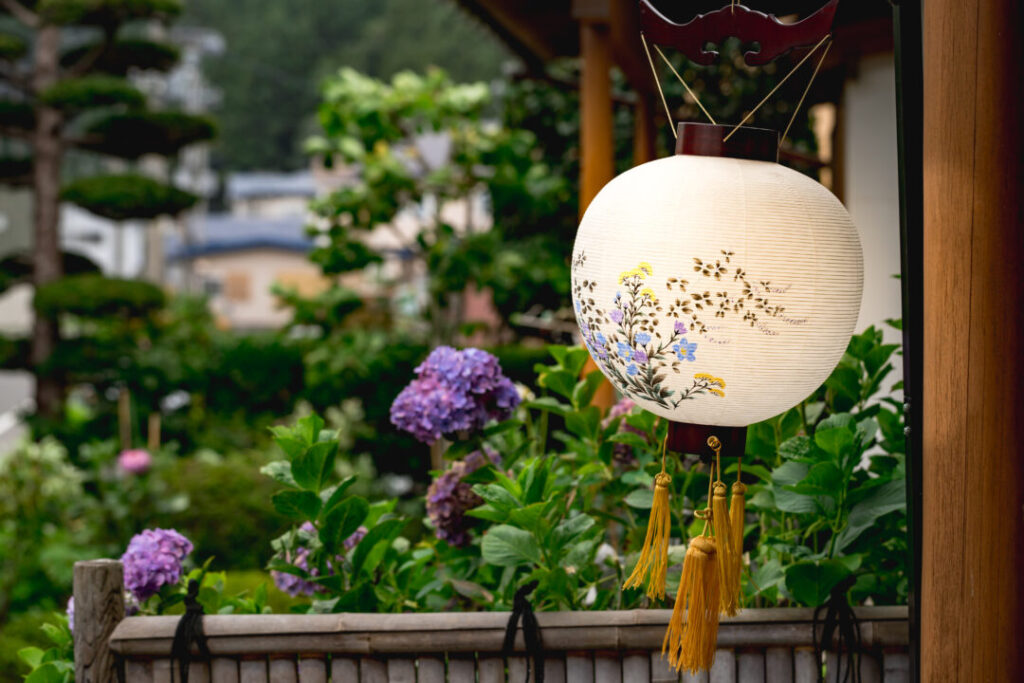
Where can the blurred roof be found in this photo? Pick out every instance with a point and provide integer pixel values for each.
(219, 233)
(270, 184)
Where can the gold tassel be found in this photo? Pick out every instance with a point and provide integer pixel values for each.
(654, 554)
(726, 554)
(737, 514)
(691, 644)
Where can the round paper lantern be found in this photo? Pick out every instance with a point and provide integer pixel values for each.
(716, 287)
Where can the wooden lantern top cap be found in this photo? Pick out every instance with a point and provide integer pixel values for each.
(708, 140)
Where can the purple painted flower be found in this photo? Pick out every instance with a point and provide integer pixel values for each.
(454, 391)
(152, 560)
(684, 350)
(680, 328)
(616, 315)
(449, 497)
(640, 356)
(134, 461)
(643, 338)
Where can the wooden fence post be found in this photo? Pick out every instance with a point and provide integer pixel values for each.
(99, 607)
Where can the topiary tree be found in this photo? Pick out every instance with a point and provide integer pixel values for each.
(63, 66)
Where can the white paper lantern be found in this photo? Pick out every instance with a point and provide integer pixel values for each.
(716, 290)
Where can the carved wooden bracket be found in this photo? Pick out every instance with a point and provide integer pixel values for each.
(774, 37)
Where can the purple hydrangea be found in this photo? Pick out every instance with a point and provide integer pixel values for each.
(353, 540)
(296, 585)
(455, 391)
(71, 613)
(623, 453)
(134, 461)
(153, 559)
(448, 498)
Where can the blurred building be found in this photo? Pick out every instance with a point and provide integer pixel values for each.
(262, 240)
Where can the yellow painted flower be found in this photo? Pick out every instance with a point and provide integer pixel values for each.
(711, 379)
(647, 291)
(716, 392)
(641, 271)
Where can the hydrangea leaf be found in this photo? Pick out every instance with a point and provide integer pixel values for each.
(342, 521)
(297, 504)
(313, 467)
(507, 546)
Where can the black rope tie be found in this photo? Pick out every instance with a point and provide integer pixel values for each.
(190, 630)
(841, 624)
(521, 607)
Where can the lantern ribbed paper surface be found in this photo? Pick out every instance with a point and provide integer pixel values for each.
(714, 290)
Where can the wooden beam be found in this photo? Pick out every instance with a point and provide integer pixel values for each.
(973, 471)
(386, 635)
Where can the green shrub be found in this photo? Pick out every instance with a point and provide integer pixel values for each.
(88, 92)
(132, 135)
(229, 516)
(125, 54)
(94, 296)
(23, 630)
(127, 196)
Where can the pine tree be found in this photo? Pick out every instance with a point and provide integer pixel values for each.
(64, 87)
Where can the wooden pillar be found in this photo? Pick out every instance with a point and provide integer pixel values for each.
(643, 129)
(597, 151)
(99, 608)
(972, 467)
(597, 156)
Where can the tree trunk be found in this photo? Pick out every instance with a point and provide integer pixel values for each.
(46, 260)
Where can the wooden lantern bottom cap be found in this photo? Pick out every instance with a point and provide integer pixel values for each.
(684, 437)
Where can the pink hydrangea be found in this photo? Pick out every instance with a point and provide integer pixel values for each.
(135, 461)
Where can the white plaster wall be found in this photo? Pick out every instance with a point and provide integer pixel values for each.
(871, 187)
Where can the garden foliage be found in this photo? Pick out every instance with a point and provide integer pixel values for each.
(563, 492)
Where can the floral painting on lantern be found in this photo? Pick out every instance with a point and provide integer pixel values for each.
(631, 348)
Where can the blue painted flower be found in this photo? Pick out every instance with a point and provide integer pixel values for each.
(684, 350)
(632, 370)
(601, 339)
(643, 338)
(640, 356)
(625, 350)
(616, 316)
(577, 306)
